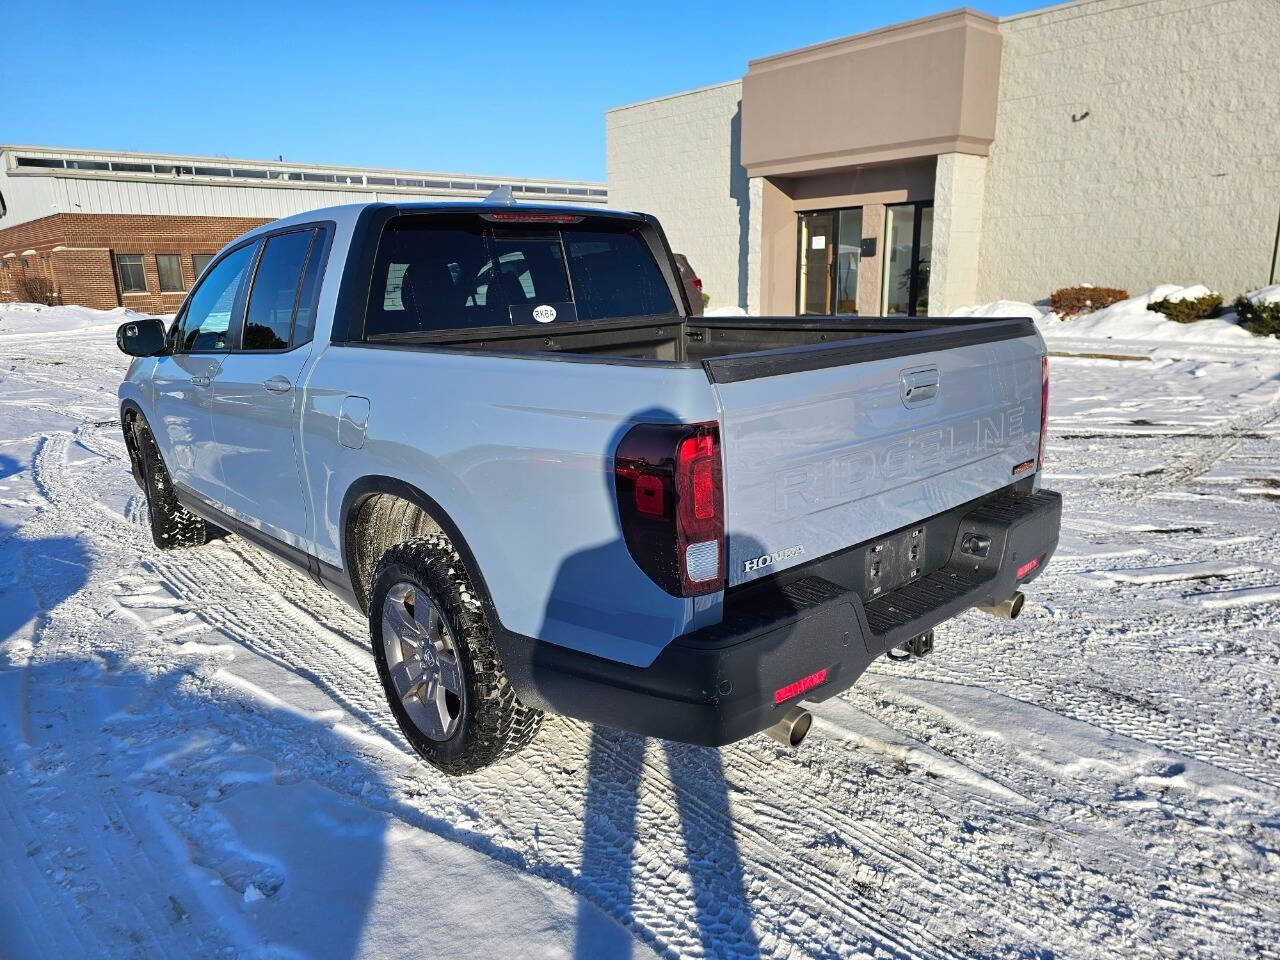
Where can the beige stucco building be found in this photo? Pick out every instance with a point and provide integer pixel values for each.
(963, 158)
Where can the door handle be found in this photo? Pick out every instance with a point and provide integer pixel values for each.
(201, 381)
(278, 384)
(920, 386)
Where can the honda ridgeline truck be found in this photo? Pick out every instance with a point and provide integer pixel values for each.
(499, 431)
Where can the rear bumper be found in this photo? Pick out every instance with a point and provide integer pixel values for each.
(718, 685)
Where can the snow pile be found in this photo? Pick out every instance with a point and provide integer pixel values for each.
(23, 319)
(1001, 308)
(1269, 294)
(1131, 320)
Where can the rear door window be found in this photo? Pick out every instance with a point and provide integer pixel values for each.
(435, 274)
(268, 321)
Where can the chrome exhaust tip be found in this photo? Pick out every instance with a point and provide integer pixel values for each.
(1009, 608)
(794, 726)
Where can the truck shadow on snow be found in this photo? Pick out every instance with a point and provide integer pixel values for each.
(9, 466)
(624, 804)
(163, 798)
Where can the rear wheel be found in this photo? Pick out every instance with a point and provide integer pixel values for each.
(437, 661)
(172, 524)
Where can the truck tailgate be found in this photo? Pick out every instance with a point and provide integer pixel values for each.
(829, 446)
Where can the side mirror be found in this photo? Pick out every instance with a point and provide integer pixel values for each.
(142, 338)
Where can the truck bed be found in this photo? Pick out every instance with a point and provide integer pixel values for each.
(694, 340)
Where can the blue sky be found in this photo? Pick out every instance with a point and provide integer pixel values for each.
(498, 88)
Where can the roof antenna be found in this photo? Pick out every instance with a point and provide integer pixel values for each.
(501, 197)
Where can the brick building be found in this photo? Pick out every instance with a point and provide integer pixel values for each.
(105, 229)
(963, 158)
(146, 262)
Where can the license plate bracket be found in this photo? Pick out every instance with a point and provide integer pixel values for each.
(893, 561)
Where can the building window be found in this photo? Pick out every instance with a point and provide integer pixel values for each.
(201, 260)
(129, 267)
(169, 267)
(46, 162)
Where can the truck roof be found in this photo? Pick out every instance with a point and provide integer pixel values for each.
(345, 214)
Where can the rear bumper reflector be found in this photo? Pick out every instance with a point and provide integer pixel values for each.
(803, 685)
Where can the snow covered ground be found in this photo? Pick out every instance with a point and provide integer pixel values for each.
(195, 759)
(25, 319)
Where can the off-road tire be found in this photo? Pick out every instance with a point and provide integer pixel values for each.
(494, 723)
(172, 524)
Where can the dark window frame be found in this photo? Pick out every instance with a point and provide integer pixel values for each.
(182, 284)
(41, 163)
(197, 271)
(120, 274)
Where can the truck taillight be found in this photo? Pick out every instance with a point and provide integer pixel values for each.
(1044, 409)
(671, 504)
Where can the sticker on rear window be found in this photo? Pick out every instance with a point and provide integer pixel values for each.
(544, 313)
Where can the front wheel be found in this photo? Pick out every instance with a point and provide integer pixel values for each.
(172, 524)
(438, 663)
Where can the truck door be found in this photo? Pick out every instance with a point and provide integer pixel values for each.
(255, 394)
(183, 379)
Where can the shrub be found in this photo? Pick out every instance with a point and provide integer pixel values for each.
(1262, 319)
(1188, 311)
(706, 299)
(33, 288)
(1070, 301)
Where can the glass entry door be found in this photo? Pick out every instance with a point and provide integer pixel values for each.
(908, 232)
(817, 255)
(829, 258)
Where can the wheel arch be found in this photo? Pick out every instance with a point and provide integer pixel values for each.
(130, 412)
(379, 511)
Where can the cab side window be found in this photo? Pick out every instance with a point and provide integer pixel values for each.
(273, 301)
(208, 315)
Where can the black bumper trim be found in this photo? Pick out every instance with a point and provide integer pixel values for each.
(717, 685)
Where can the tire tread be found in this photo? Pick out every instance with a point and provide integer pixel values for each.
(500, 725)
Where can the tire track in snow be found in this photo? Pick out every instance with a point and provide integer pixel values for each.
(1191, 458)
(840, 853)
(239, 592)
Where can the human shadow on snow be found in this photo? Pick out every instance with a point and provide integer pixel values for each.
(36, 575)
(619, 808)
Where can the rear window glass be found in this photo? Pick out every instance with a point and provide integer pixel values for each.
(435, 275)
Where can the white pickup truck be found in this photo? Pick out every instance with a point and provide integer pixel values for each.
(500, 431)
